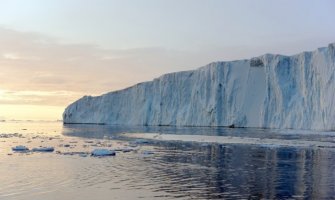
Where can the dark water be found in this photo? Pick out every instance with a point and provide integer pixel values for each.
(193, 170)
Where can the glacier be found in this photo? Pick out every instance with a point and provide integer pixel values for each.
(269, 91)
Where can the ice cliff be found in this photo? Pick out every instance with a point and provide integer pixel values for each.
(270, 91)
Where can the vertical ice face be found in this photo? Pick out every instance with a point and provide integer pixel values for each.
(271, 91)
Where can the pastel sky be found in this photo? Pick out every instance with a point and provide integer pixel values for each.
(52, 52)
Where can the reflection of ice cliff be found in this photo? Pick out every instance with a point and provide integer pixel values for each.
(271, 91)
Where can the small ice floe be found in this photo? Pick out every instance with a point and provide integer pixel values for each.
(20, 148)
(141, 141)
(133, 144)
(270, 146)
(103, 152)
(146, 152)
(44, 149)
(72, 153)
(105, 137)
(205, 144)
(137, 142)
(10, 135)
(82, 155)
(125, 149)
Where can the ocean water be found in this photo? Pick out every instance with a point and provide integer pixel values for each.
(165, 163)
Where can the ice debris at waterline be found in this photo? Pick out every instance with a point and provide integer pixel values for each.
(20, 148)
(43, 149)
(207, 140)
(269, 91)
(103, 152)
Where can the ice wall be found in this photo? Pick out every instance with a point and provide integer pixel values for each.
(270, 91)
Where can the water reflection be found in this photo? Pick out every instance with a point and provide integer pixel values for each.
(99, 131)
(187, 170)
(249, 172)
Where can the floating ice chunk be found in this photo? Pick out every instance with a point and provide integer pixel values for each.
(147, 152)
(132, 144)
(270, 146)
(205, 144)
(103, 152)
(44, 149)
(20, 148)
(71, 153)
(141, 141)
(137, 142)
(126, 150)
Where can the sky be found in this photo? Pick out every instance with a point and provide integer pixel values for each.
(53, 52)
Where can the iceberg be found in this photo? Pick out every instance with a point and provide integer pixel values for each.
(269, 91)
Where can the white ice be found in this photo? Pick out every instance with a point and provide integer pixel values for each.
(269, 91)
(44, 149)
(20, 148)
(103, 152)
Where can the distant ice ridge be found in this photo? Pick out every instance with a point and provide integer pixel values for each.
(270, 91)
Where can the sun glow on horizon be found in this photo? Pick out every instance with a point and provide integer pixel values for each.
(52, 53)
(30, 112)
(34, 105)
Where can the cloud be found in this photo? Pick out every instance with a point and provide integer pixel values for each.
(40, 70)
(27, 97)
(33, 62)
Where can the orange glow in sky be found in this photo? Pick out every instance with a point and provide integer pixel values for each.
(54, 52)
(31, 112)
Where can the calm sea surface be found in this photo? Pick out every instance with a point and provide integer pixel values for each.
(166, 163)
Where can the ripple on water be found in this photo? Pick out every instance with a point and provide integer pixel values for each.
(176, 170)
(23, 177)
